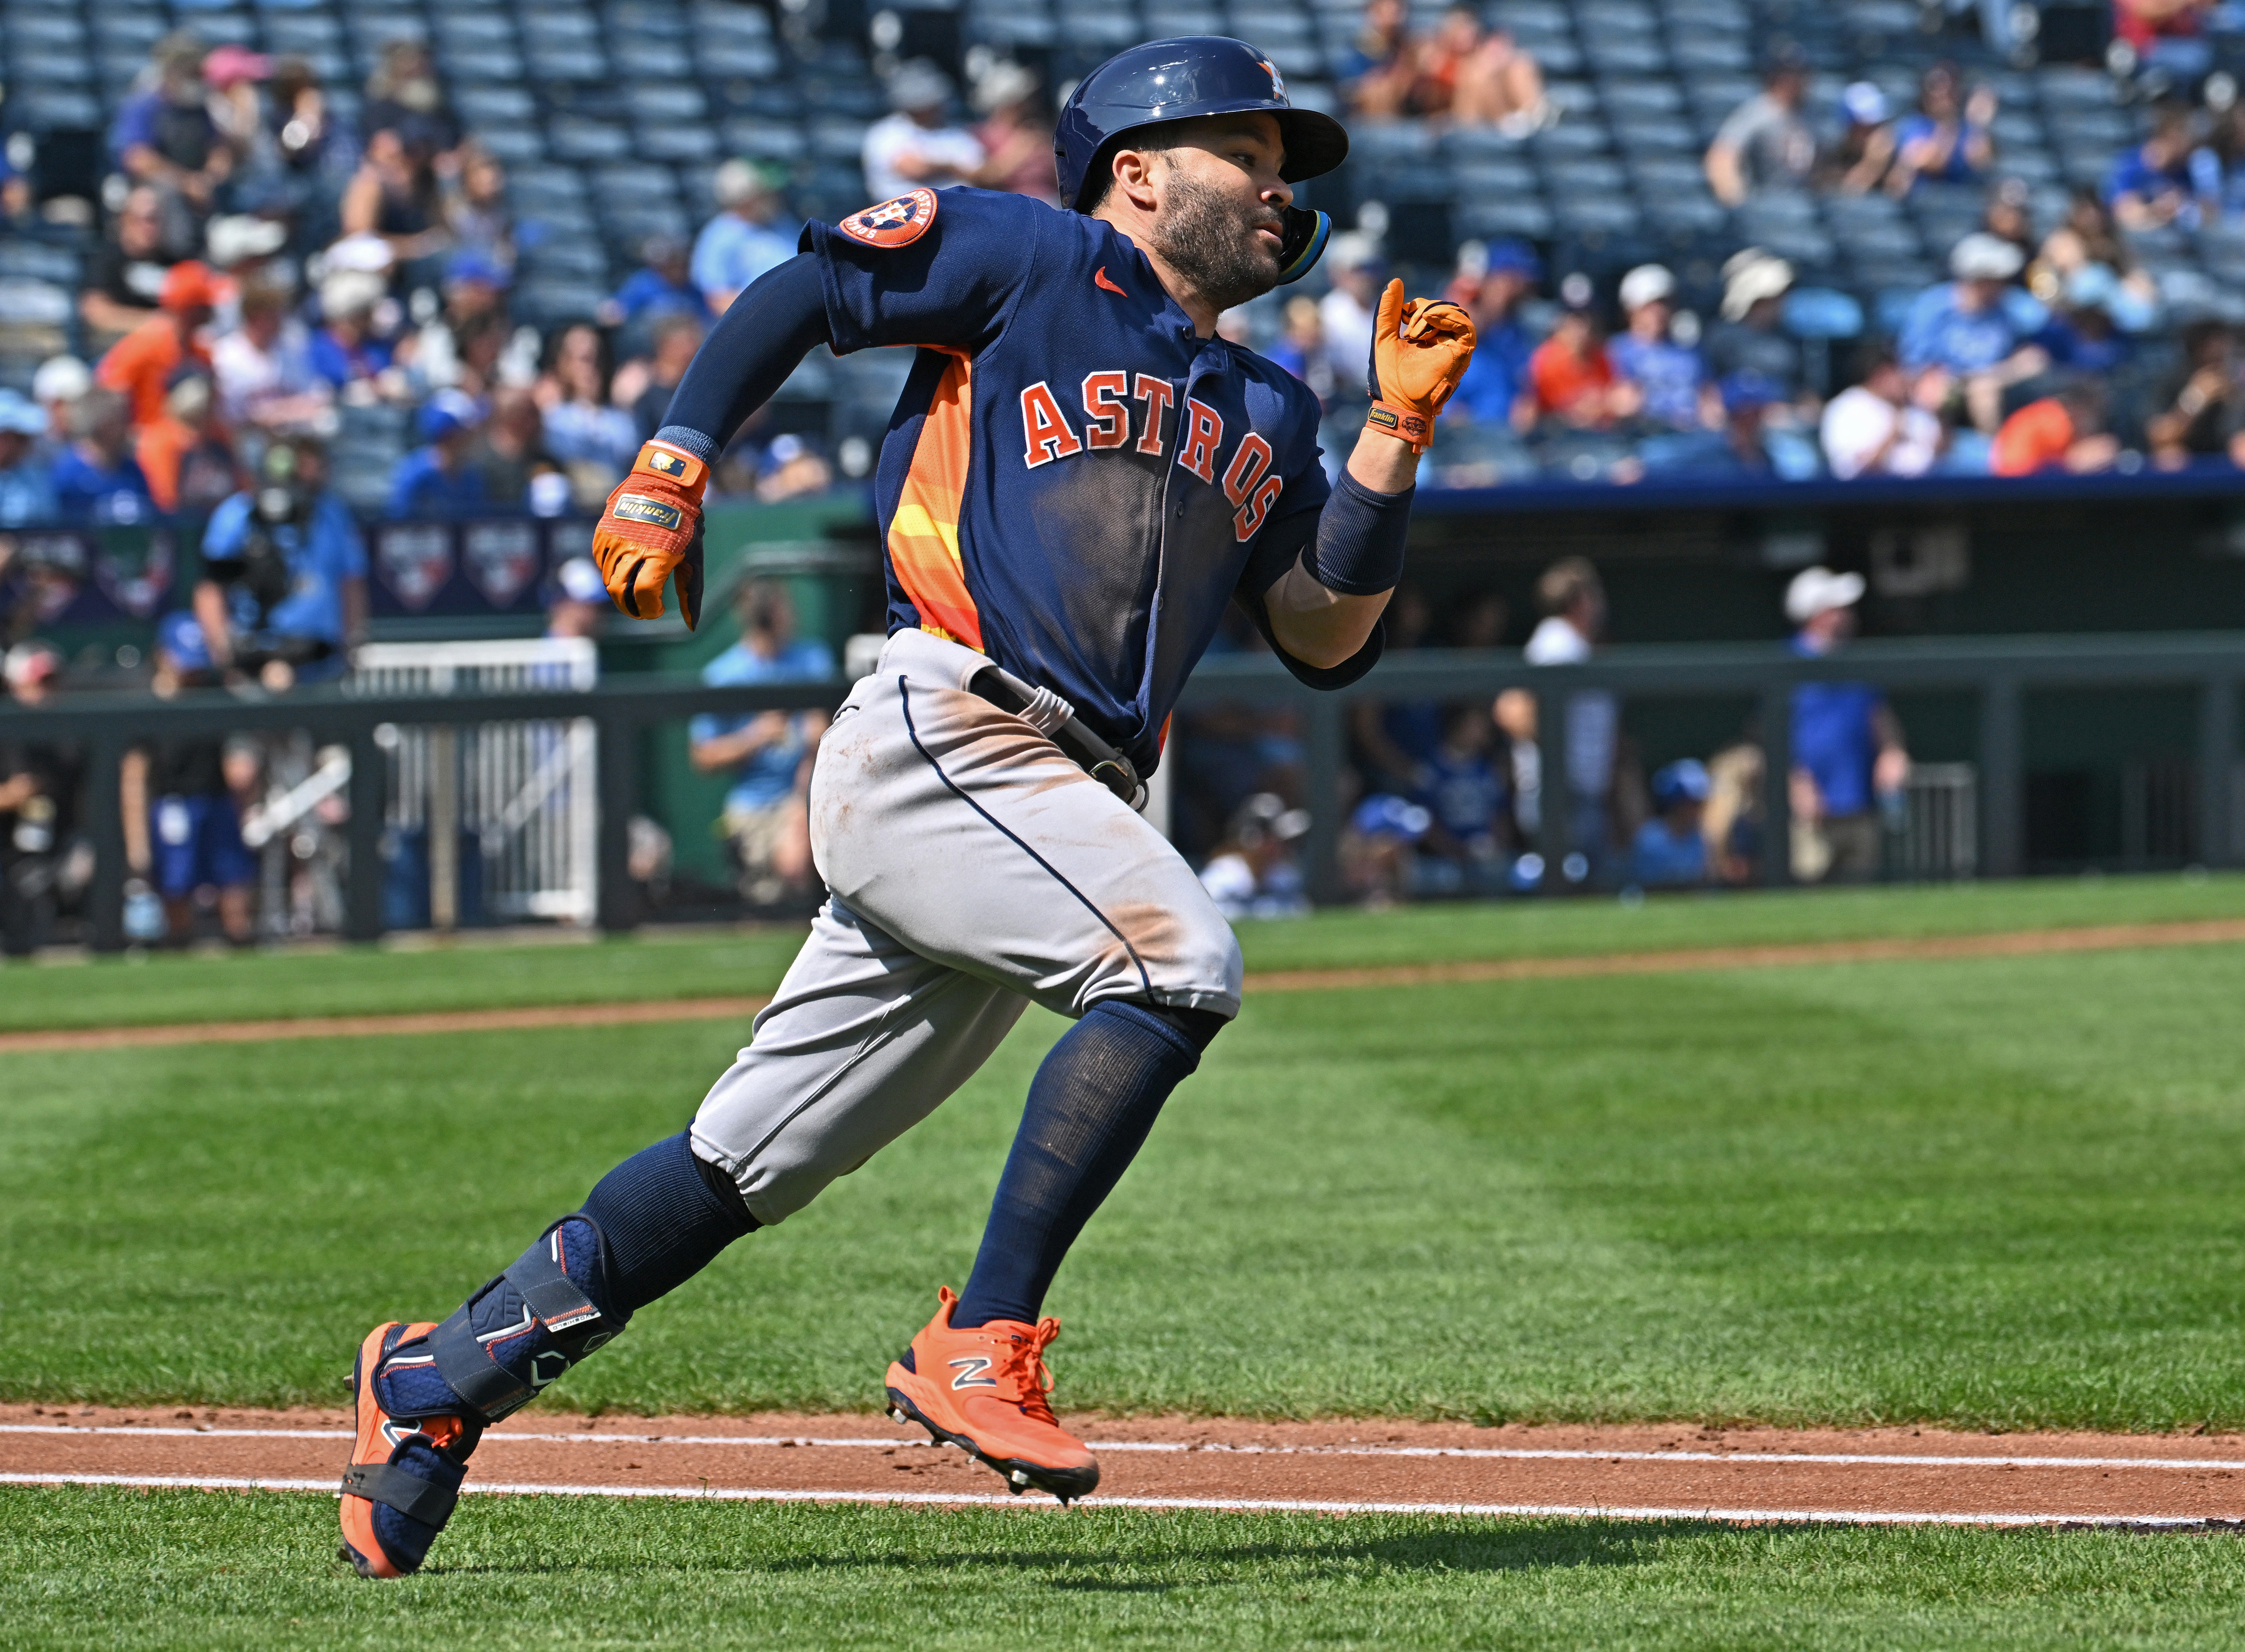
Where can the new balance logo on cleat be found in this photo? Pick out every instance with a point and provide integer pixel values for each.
(970, 1371)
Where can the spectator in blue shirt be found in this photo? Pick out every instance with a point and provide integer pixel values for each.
(2088, 333)
(768, 753)
(27, 494)
(1978, 326)
(1495, 389)
(745, 239)
(2151, 185)
(96, 479)
(1940, 141)
(1669, 375)
(436, 479)
(345, 349)
(164, 135)
(284, 572)
(1670, 851)
(662, 282)
(1849, 765)
(1468, 798)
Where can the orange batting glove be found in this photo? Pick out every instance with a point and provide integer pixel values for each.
(651, 531)
(1419, 353)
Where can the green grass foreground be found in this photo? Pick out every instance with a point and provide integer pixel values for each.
(477, 974)
(127, 1570)
(1999, 1193)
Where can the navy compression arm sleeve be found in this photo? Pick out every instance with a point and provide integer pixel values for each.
(761, 339)
(1361, 534)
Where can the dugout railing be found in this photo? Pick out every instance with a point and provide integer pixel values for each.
(1997, 671)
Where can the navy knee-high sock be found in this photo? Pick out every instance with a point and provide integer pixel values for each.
(1090, 1106)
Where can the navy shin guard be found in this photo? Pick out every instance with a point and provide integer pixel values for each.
(648, 1226)
(1090, 1107)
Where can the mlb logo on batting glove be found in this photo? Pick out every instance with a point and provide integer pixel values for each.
(651, 532)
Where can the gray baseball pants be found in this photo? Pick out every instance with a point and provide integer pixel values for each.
(973, 868)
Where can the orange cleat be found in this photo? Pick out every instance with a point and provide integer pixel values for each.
(984, 1390)
(405, 1473)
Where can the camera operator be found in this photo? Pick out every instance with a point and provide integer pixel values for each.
(45, 864)
(283, 593)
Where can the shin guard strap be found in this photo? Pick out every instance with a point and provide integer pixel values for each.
(552, 1299)
(485, 1385)
(409, 1494)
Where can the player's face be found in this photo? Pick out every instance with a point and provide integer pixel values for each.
(1219, 218)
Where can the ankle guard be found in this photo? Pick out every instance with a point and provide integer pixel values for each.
(524, 1329)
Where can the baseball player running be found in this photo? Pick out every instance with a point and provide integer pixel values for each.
(1078, 477)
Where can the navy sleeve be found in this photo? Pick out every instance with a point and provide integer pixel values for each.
(1284, 544)
(948, 280)
(765, 334)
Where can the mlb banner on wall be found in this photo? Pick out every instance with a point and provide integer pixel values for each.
(70, 577)
(498, 565)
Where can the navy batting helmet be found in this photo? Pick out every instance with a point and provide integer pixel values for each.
(1180, 80)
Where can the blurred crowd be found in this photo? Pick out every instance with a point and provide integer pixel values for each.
(1451, 798)
(267, 270)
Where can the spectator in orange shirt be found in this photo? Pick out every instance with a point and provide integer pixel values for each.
(2064, 431)
(1572, 379)
(188, 455)
(141, 364)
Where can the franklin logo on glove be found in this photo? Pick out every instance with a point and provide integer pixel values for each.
(651, 532)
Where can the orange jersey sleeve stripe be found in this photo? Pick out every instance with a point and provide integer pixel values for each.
(923, 532)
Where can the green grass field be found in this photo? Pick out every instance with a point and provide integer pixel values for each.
(1992, 1193)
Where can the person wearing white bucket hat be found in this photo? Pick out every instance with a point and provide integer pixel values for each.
(1849, 764)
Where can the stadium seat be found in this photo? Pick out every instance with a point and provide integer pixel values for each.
(578, 138)
(773, 140)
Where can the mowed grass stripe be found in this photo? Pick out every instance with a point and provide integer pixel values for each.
(482, 971)
(1742, 1516)
(109, 1568)
(1990, 1193)
(2021, 943)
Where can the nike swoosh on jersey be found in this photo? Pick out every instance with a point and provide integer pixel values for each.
(1099, 279)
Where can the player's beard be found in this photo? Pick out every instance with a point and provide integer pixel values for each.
(1210, 239)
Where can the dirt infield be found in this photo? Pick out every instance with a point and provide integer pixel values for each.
(2007, 944)
(1873, 1476)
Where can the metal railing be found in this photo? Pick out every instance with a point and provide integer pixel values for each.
(1999, 671)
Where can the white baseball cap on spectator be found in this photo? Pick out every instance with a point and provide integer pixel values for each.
(1865, 104)
(60, 379)
(1004, 82)
(30, 662)
(1647, 284)
(368, 252)
(238, 238)
(736, 182)
(1352, 249)
(350, 292)
(1749, 277)
(1819, 590)
(1981, 256)
(918, 86)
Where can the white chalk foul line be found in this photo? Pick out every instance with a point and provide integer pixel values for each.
(1245, 1505)
(1866, 1459)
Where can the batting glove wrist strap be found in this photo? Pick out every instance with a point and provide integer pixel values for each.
(1402, 423)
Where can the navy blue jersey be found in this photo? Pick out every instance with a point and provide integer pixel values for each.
(1073, 482)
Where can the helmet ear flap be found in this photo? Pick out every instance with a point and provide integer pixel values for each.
(1306, 233)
